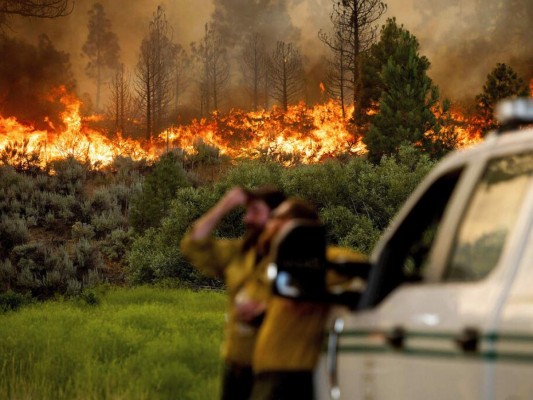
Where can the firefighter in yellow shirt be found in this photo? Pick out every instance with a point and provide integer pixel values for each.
(240, 264)
(291, 336)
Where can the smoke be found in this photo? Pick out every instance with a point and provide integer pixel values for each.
(236, 19)
(30, 77)
(463, 39)
(129, 20)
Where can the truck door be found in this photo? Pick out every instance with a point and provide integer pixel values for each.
(436, 287)
(512, 352)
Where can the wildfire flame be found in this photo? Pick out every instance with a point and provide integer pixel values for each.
(75, 140)
(309, 134)
(300, 134)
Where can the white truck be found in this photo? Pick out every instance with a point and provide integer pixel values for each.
(447, 310)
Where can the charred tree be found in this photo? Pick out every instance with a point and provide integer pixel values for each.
(102, 49)
(254, 68)
(337, 82)
(120, 109)
(354, 32)
(34, 8)
(182, 65)
(286, 74)
(155, 74)
(211, 55)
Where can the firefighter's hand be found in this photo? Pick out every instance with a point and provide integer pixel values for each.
(233, 198)
(249, 310)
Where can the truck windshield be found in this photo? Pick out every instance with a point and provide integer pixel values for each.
(490, 217)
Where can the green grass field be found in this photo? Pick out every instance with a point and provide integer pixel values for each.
(141, 343)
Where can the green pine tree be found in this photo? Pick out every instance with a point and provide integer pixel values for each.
(503, 82)
(407, 97)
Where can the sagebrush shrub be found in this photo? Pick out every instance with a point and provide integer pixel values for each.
(116, 245)
(7, 273)
(13, 231)
(108, 221)
(87, 257)
(102, 200)
(81, 230)
(69, 175)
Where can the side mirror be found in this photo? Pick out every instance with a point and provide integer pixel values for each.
(299, 268)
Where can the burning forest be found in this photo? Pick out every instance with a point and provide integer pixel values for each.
(248, 93)
(106, 156)
(300, 134)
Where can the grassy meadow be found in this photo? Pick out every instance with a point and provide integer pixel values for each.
(117, 343)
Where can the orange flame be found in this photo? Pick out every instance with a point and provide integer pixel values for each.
(76, 139)
(301, 134)
(308, 134)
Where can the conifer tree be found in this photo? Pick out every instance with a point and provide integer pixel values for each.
(503, 82)
(407, 98)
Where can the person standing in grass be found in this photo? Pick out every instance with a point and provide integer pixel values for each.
(240, 264)
(291, 336)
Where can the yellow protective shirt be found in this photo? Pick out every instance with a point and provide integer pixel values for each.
(292, 333)
(224, 259)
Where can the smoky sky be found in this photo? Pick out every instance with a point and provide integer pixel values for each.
(463, 39)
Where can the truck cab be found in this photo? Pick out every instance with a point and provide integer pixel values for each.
(447, 308)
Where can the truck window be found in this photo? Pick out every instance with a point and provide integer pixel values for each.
(489, 218)
(405, 255)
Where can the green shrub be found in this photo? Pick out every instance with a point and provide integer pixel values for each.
(62, 207)
(102, 200)
(322, 184)
(69, 175)
(9, 177)
(61, 262)
(86, 258)
(338, 221)
(204, 153)
(121, 195)
(49, 220)
(80, 230)
(379, 191)
(127, 170)
(116, 244)
(13, 232)
(251, 174)
(108, 221)
(42, 182)
(151, 205)
(8, 273)
(153, 259)
(12, 301)
(363, 235)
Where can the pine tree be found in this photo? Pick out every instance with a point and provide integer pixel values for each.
(503, 82)
(407, 99)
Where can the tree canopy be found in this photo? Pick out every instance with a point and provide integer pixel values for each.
(502, 82)
(34, 8)
(407, 95)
